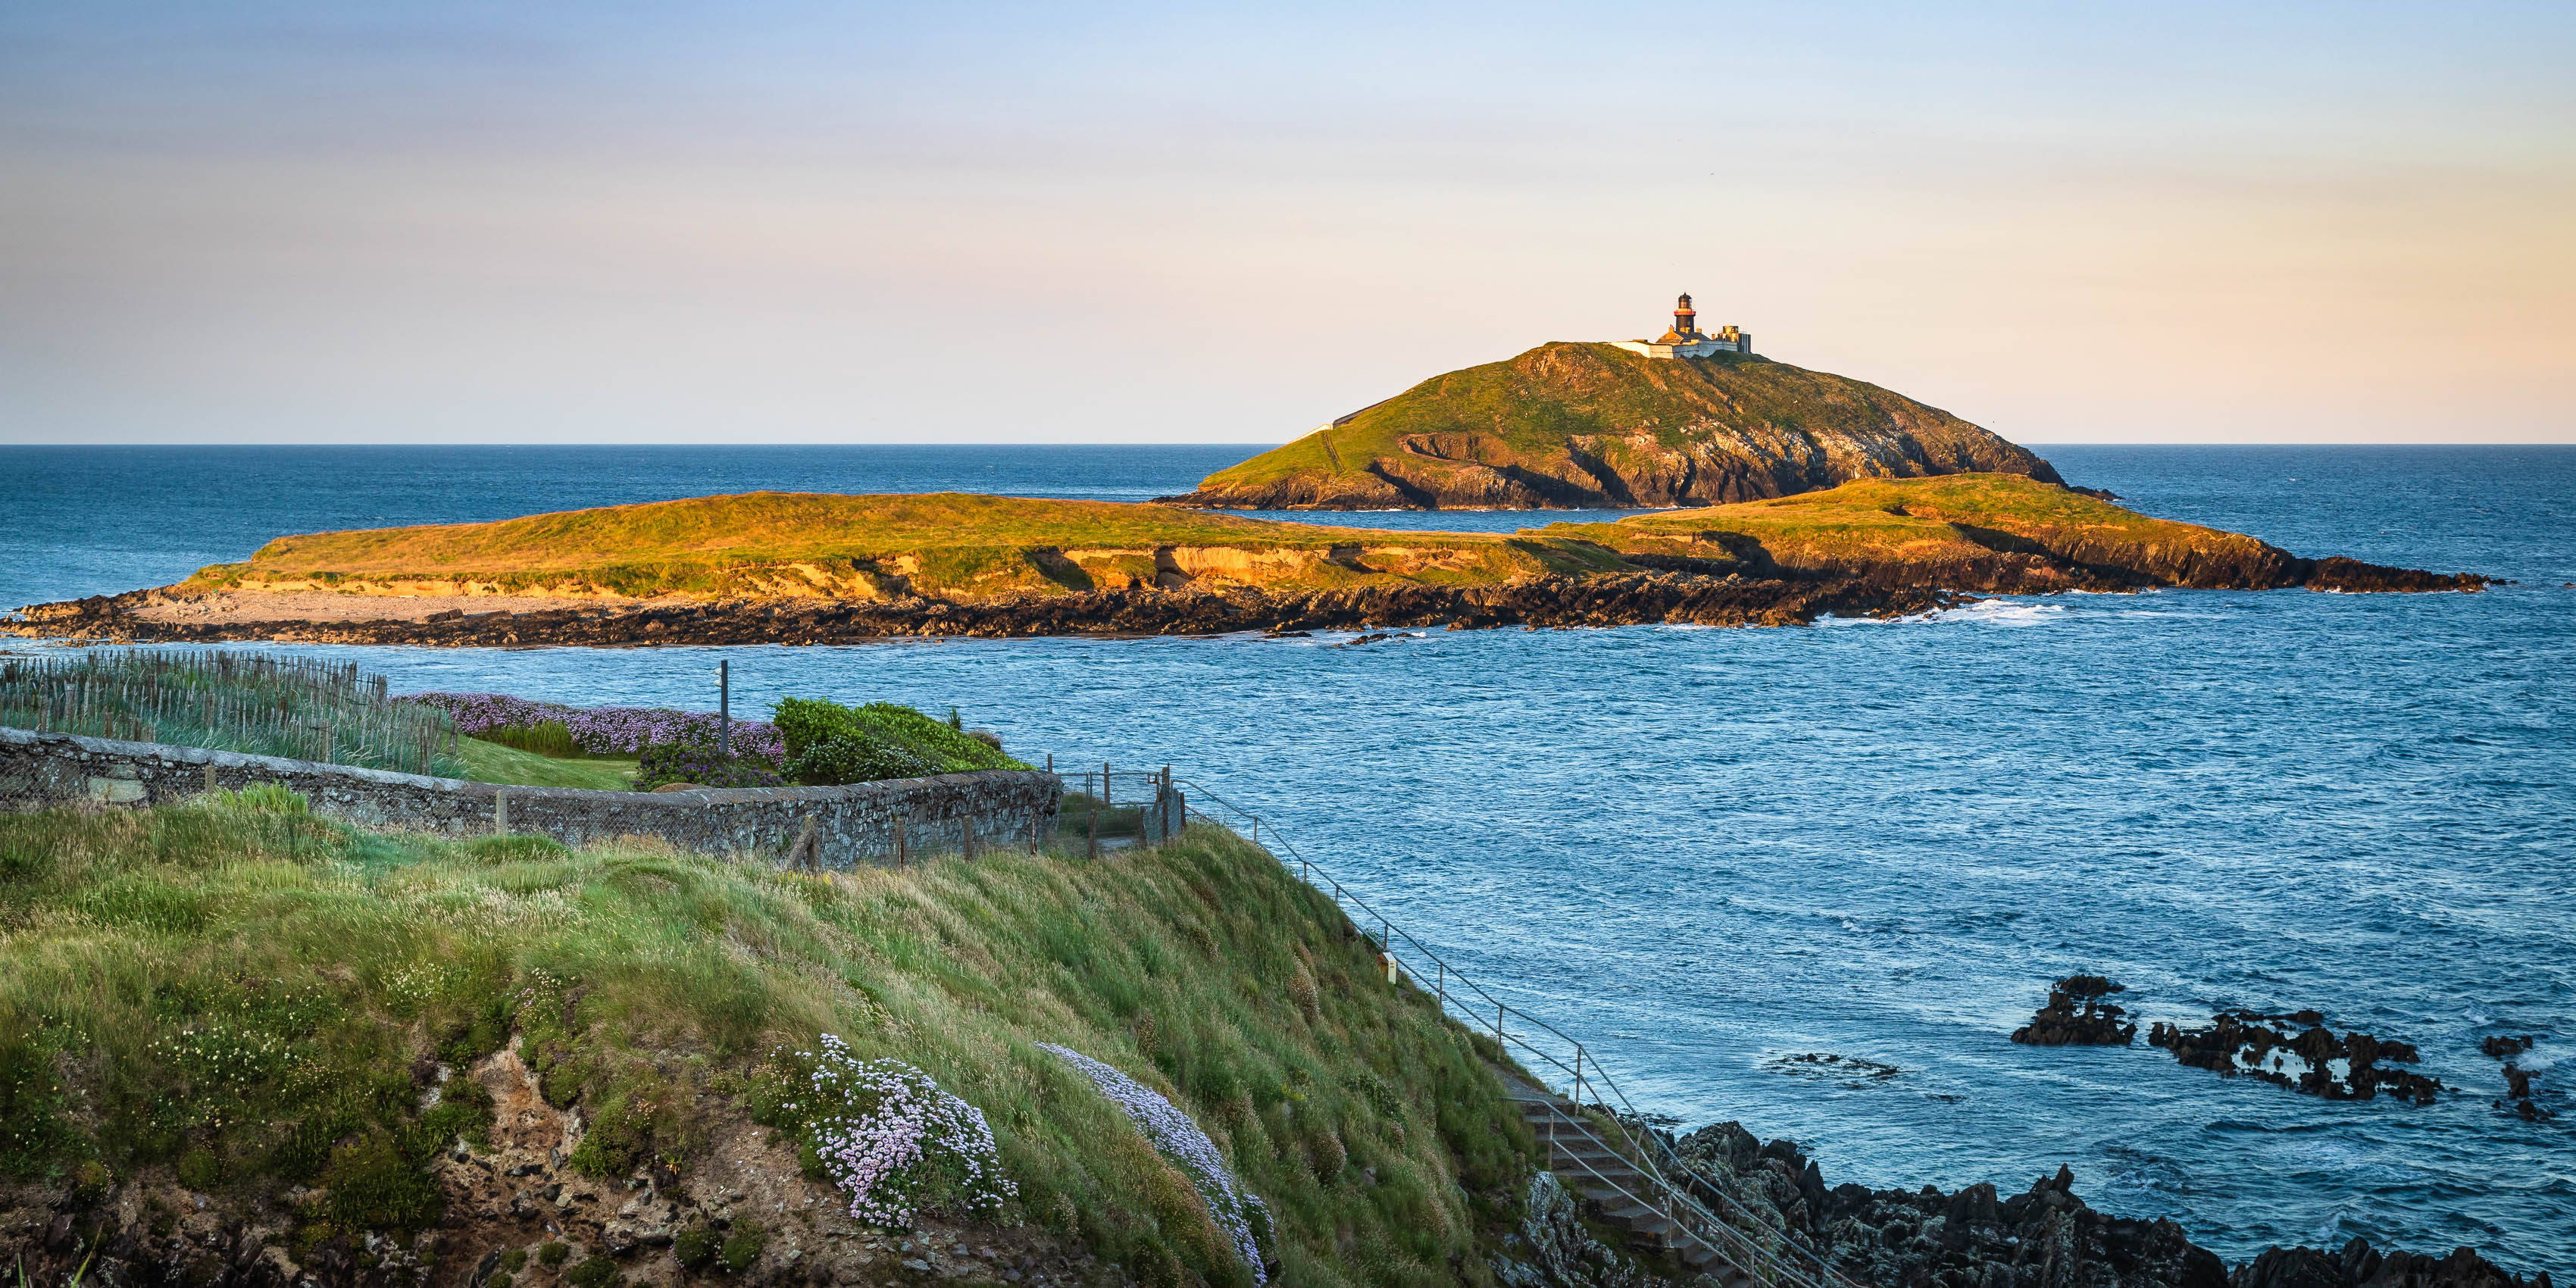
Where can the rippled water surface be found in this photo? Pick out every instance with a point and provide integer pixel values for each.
(1712, 850)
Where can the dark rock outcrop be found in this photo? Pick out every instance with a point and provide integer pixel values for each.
(1551, 1248)
(1613, 600)
(2295, 1051)
(2045, 1237)
(2062, 1023)
(2361, 1266)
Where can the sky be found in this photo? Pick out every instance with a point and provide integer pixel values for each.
(267, 222)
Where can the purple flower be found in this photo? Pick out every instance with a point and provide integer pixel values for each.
(893, 1140)
(603, 730)
(1181, 1141)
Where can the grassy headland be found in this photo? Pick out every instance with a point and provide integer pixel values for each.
(780, 568)
(966, 548)
(309, 1025)
(1571, 425)
(779, 545)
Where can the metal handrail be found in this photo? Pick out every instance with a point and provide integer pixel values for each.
(1737, 1247)
(1659, 1153)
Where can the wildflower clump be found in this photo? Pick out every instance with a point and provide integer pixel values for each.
(595, 731)
(1238, 1213)
(696, 759)
(886, 1134)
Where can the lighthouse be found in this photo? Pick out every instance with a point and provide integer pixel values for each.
(1685, 340)
(1685, 321)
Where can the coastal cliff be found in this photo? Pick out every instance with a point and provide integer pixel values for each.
(798, 568)
(243, 1046)
(1574, 426)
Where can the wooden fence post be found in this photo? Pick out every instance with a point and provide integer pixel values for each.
(500, 813)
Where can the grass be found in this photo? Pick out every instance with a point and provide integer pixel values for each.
(490, 762)
(242, 993)
(784, 545)
(1920, 521)
(1522, 411)
(740, 545)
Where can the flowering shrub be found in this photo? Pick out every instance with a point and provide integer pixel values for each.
(700, 763)
(601, 731)
(1238, 1213)
(886, 1134)
(828, 744)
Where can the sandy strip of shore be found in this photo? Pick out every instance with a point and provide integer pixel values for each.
(329, 606)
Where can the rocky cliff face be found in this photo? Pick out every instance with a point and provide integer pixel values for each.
(1570, 426)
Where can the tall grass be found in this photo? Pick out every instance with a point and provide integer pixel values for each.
(300, 708)
(241, 991)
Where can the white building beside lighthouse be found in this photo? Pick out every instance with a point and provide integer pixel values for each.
(1686, 340)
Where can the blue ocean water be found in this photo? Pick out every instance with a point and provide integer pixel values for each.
(1709, 850)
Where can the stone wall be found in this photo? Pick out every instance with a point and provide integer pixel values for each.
(883, 822)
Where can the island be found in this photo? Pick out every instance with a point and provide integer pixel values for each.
(807, 568)
(1690, 418)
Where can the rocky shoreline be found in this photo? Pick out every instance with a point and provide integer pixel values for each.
(1674, 591)
(1137, 611)
(2043, 1238)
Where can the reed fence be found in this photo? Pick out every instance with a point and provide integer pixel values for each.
(257, 703)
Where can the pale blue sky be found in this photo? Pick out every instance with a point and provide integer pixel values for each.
(773, 222)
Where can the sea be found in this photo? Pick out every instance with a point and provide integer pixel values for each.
(1805, 879)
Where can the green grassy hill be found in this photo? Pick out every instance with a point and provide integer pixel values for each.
(789, 545)
(1959, 531)
(234, 1025)
(1575, 425)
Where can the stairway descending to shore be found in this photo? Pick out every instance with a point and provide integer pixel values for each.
(1592, 1170)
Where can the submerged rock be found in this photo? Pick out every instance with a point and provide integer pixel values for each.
(2062, 1023)
(2519, 1095)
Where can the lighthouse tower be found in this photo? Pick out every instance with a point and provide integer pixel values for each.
(1685, 323)
(1686, 340)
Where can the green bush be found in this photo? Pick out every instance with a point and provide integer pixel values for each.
(554, 1252)
(742, 1246)
(696, 1248)
(596, 1272)
(371, 1185)
(829, 744)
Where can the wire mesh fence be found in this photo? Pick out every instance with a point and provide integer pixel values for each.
(1594, 1107)
(1106, 808)
(298, 708)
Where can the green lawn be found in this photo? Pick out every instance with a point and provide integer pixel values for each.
(490, 762)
